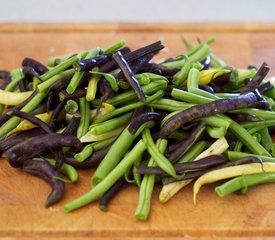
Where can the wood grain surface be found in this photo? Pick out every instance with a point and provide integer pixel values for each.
(22, 214)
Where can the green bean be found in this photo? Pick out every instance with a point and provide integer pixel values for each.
(196, 54)
(147, 186)
(169, 105)
(86, 152)
(109, 125)
(273, 150)
(129, 107)
(193, 152)
(199, 53)
(262, 114)
(44, 86)
(244, 182)
(74, 82)
(114, 155)
(203, 93)
(90, 148)
(227, 95)
(179, 135)
(147, 77)
(247, 139)
(266, 139)
(61, 67)
(193, 79)
(115, 174)
(247, 73)
(160, 159)
(109, 77)
(260, 124)
(181, 76)
(88, 137)
(84, 117)
(55, 60)
(17, 75)
(189, 96)
(71, 106)
(114, 47)
(79, 74)
(126, 97)
(234, 155)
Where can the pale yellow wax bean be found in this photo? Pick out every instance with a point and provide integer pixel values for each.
(13, 98)
(169, 190)
(26, 125)
(230, 172)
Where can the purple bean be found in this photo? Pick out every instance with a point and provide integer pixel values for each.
(37, 66)
(46, 172)
(40, 143)
(90, 162)
(128, 74)
(206, 162)
(186, 143)
(202, 110)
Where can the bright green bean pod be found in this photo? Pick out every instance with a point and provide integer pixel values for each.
(147, 186)
(233, 155)
(193, 152)
(43, 87)
(160, 159)
(90, 148)
(110, 78)
(114, 47)
(181, 76)
(60, 67)
(193, 79)
(79, 74)
(115, 174)
(189, 96)
(169, 105)
(71, 106)
(129, 107)
(244, 182)
(266, 139)
(85, 117)
(109, 125)
(114, 155)
(126, 97)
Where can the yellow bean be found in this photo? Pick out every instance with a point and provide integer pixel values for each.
(26, 125)
(206, 76)
(169, 190)
(13, 98)
(230, 172)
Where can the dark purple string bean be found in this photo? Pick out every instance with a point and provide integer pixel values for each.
(45, 171)
(37, 66)
(128, 74)
(110, 194)
(202, 110)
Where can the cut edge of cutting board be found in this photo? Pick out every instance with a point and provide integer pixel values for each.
(248, 26)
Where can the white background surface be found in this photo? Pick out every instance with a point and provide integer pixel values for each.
(136, 10)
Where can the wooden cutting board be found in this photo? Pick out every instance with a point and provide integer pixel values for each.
(22, 214)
